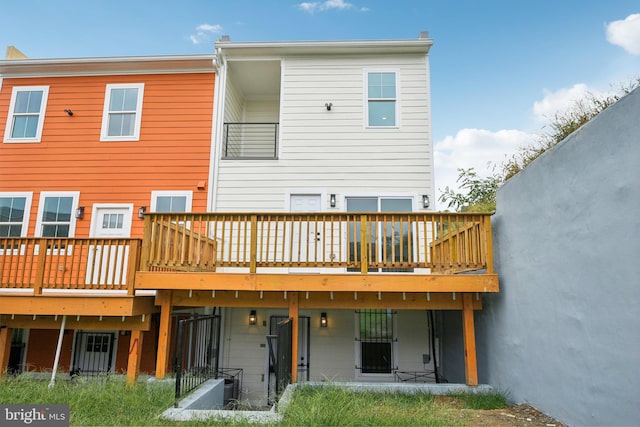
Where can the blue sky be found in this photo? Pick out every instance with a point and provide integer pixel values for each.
(497, 67)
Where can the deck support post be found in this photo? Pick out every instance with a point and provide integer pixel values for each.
(135, 353)
(6, 335)
(468, 331)
(293, 314)
(164, 300)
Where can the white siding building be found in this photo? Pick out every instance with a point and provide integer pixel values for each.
(324, 127)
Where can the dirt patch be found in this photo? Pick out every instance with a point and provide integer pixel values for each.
(520, 415)
(513, 416)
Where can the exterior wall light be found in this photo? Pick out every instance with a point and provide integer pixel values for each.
(80, 212)
(323, 320)
(425, 201)
(141, 212)
(253, 318)
(332, 200)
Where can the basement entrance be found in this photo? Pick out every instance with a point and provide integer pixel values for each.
(279, 364)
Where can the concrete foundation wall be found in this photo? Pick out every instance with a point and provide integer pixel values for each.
(564, 332)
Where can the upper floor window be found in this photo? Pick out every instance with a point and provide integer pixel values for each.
(171, 201)
(382, 99)
(14, 214)
(55, 214)
(122, 112)
(26, 114)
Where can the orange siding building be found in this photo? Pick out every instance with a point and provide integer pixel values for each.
(88, 148)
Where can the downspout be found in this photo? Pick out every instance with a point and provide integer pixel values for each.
(58, 350)
(217, 128)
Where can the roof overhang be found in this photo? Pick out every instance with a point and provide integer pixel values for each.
(299, 48)
(166, 64)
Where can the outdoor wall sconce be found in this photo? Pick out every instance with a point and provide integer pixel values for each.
(323, 320)
(253, 318)
(80, 212)
(68, 111)
(141, 212)
(328, 106)
(332, 200)
(425, 201)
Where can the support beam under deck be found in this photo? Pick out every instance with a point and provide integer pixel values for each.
(164, 300)
(339, 282)
(294, 315)
(6, 335)
(468, 330)
(135, 353)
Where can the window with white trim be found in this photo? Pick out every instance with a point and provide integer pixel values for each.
(122, 112)
(382, 99)
(56, 214)
(171, 201)
(14, 214)
(26, 114)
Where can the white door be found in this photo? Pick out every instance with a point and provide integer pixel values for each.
(94, 352)
(108, 261)
(307, 240)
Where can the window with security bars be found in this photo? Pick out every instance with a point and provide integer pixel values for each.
(376, 340)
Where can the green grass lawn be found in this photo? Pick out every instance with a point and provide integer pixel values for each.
(108, 402)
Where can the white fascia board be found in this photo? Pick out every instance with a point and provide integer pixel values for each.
(53, 67)
(325, 47)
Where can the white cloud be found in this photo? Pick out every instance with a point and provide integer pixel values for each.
(204, 32)
(315, 6)
(562, 100)
(474, 148)
(626, 33)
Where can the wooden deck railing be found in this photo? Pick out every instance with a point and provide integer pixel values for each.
(73, 264)
(362, 242)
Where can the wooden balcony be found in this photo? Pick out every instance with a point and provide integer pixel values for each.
(372, 252)
(62, 273)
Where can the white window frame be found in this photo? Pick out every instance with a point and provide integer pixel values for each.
(26, 216)
(358, 350)
(72, 223)
(104, 133)
(27, 208)
(367, 99)
(11, 114)
(172, 193)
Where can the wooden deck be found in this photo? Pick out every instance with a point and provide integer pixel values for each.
(413, 261)
(373, 252)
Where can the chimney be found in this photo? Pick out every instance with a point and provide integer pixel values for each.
(424, 35)
(13, 53)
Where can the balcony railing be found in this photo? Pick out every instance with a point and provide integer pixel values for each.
(364, 242)
(250, 141)
(71, 264)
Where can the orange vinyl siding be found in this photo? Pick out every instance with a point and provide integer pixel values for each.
(41, 350)
(172, 153)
